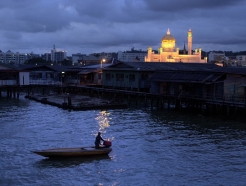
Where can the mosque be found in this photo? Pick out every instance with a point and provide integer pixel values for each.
(168, 53)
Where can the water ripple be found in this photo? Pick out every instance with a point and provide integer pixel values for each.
(149, 147)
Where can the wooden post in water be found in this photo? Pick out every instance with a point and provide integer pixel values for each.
(136, 102)
(162, 103)
(227, 111)
(43, 91)
(157, 102)
(128, 100)
(8, 92)
(28, 91)
(14, 93)
(177, 104)
(18, 93)
(98, 94)
(151, 103)
(145, 101)
(168, 103)
(69, 101)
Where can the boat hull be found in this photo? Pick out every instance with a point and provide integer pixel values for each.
(73, 152)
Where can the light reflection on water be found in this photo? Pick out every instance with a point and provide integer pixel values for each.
(103, 120)
(149, 147)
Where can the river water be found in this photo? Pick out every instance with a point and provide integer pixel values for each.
(150, 147)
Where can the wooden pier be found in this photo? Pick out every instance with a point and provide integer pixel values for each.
(204, 105)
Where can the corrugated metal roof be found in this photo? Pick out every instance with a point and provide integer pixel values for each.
(152, 66)
(86, 71)
(4, 66)
(185, 76)
(233, 70)
(57, 68)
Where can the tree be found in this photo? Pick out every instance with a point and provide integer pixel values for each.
(38, 61)
(67, 62)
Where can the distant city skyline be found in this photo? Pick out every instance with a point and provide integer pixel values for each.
(111, 26)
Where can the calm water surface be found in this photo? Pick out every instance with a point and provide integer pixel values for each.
(149, 147)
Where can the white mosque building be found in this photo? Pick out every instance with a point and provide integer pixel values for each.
(168, 53)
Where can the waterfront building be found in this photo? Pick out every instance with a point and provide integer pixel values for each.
(135, 75)
(197, 80)
(169, 53)
(132, 55)
(44, 74)
(11, 75)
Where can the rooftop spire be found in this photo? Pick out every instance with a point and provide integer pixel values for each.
(168, 31)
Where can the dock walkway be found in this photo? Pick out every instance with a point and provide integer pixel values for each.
(76, 102)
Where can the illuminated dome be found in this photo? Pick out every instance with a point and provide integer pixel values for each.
(168, 37)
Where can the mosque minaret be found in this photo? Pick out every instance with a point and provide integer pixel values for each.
(169, 53)
(189, 42)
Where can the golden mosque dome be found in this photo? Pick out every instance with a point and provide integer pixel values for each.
(168, 37)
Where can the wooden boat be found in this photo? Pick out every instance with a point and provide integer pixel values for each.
(73, 152)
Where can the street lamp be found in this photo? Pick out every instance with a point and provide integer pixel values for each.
(62, 77)
(103, 60)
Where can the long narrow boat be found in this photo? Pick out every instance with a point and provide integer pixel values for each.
(73, 152)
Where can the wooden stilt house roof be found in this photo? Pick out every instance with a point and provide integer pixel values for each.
(186, 76)
(153, 66)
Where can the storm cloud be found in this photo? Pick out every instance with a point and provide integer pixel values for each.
(118, 25)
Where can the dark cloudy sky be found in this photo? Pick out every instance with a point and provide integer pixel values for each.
(87, 26)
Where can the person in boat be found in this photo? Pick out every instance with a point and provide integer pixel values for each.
(98, 140)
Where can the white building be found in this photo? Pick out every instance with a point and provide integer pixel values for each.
(46, 56)
(241, 60)
(77, 57)
(215, 56)
(20, 58)
(16, 58)
(58, 56)
(2, 57)
(132, 56)
(10, 57)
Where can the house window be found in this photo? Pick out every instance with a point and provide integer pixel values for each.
(119, 77)
(144, 76)
(99, 76)
(132, 77)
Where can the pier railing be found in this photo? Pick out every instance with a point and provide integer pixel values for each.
(230, 100)
(216, 99)
(7, 82)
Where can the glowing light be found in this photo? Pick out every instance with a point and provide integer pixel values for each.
(103, 120)
(102, 61)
